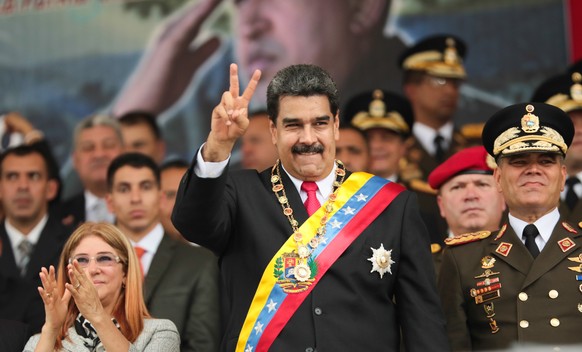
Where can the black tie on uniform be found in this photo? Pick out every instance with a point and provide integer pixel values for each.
(530, 232)
(571, 196)
(440, 151)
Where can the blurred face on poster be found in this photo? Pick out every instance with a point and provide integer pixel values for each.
(273, 34)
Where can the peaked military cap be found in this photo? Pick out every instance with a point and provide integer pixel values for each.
(526, 128)
(563, 91)
(473, 160)
(439, 55)
(380, 109)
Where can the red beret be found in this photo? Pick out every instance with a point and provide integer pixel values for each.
(473, 160)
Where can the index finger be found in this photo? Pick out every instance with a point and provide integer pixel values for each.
(234, 85)
(252, 86)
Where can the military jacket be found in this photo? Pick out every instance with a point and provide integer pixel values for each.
(496, 295)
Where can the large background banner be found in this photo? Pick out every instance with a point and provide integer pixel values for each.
(61, 60)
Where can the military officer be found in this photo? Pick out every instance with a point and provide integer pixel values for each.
(434, 72)
(467, 197)
(520, 285)
(565, 92)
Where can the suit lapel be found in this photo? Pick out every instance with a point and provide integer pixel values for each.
(552, 254)
(160, 263)
(7, 261)
(47, 249)
(518, 256)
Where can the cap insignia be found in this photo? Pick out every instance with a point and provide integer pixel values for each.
(377, 106)
(450, 56)
(530, 123)
(576, 89)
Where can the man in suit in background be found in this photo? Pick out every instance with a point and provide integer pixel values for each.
(293, 278)
(142, 134)
(181, 281)
(96, 141)
(519, 286)
(171, 172)
(30, 237)
(257, 149)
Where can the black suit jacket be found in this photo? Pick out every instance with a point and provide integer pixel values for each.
(350, 309)
(72, 211)
(45, 253)
(182, 285)
(13, 335)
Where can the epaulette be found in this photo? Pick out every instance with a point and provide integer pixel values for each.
(472, 130)
(435, 248)
(421, 186)
(569, 227)
(580, 224)
(467, 237)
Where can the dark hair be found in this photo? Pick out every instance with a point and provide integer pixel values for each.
(174, 164)
(133, 118)
(301, 81)
(135, 160)
(24, 150)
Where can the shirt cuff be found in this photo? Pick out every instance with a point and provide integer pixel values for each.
(206, 169)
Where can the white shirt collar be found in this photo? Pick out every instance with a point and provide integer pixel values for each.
(577, 188)
(545, 226)
(324, 186)
(150, 243)
(425, 135)
(91, 202)
(16, 236)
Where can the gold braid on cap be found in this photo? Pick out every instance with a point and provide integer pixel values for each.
(537, 138)
(447, 64)
(569, 102)
(376, 116)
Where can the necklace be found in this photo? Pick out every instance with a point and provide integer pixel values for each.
(302, 270)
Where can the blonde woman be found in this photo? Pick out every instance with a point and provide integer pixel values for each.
(95, 302)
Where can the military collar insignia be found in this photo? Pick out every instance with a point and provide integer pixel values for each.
(569, 228)
(566, 244)
(504, 248)
(381, 260)
(501, 232)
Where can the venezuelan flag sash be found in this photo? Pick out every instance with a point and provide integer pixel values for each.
(360, 199)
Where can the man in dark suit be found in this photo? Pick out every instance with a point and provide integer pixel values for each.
(13, 335)
(181, 280)
(96, 141)
(519, 285)
(565, 92)
(30, 238)
(329, 283)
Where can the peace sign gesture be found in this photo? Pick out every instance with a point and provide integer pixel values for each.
(229, 118)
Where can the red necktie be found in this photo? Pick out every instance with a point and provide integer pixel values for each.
(311, 203)
(140, 252)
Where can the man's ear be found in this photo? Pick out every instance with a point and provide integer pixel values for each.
(367, 14)
(273, 129)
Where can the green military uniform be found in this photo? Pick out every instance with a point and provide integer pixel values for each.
(537, 302)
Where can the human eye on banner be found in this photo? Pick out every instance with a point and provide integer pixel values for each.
(62, 60)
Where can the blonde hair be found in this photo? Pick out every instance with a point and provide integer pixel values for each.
(130, 309)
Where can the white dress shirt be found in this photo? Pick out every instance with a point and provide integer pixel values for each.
(545, 226)
(426, 135)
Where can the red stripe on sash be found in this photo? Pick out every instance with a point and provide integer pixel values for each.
(334, 249)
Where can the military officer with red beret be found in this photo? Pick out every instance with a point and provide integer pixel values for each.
(522, 285)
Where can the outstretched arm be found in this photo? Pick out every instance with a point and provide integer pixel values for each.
(167, 69)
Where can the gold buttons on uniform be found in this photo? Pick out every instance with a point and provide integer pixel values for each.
(524, 324)
(553, 294)
(555, 322)
(523, 296)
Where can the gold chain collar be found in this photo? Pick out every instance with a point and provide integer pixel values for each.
(305, 251)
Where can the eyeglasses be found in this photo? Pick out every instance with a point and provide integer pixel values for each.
(102, 260)
(441, 81)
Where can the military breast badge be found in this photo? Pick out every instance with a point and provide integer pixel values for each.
(381, 260)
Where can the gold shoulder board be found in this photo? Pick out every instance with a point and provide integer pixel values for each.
(467, 237)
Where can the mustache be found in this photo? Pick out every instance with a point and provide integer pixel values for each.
(304, 148)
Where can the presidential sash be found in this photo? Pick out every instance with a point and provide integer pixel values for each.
(360, 199)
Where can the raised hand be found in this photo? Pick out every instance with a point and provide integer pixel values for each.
(55, 303)
(84, 293)
(167, 69)
(230, 117)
